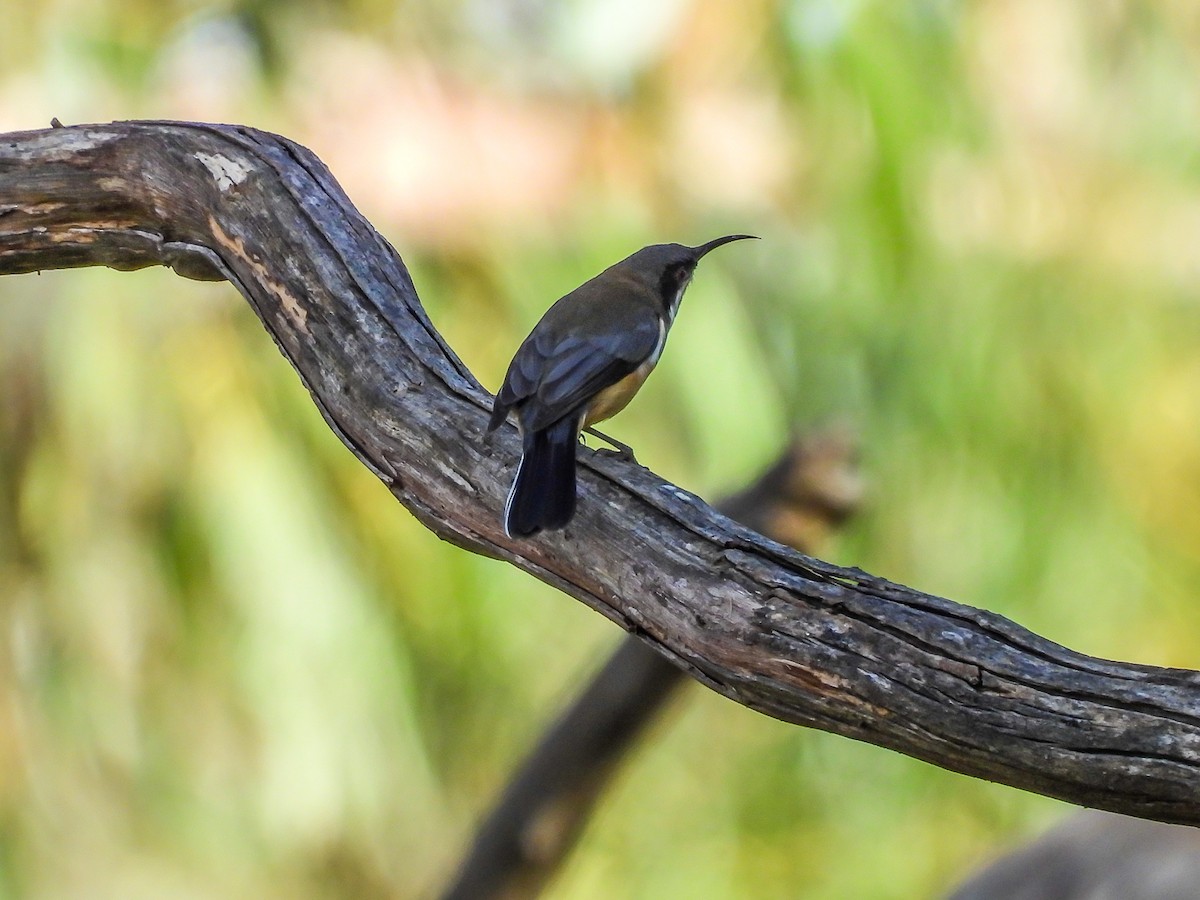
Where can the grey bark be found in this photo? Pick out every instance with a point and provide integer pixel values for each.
(782, 633)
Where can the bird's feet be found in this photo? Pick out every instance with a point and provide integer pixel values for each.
(619, 451)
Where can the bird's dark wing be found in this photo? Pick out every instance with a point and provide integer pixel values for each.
(559, 369)
(519, 384)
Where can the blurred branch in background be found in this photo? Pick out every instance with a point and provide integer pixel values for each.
(810, 490)
(1095, 856)
(791, 636)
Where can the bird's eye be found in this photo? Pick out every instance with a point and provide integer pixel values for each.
(680, 274)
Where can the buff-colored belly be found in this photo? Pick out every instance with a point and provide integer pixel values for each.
(615, 397)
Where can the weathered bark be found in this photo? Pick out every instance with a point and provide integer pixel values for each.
(788, 635)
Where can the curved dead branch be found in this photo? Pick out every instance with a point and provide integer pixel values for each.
(788, 635)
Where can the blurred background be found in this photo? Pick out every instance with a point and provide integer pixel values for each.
(232, 666)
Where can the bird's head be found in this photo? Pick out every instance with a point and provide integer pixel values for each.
(668, 268)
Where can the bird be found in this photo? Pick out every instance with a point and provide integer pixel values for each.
(582, 363)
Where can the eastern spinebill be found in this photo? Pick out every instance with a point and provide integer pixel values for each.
(581, 364)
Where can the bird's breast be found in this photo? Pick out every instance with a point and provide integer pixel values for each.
(614, 398)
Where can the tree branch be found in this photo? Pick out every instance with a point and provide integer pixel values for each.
(788, 635)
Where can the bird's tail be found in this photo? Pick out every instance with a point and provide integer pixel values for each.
(543, 493)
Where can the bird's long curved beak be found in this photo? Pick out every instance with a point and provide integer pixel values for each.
(717, 242)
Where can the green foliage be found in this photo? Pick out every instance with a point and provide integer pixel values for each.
(234, 666)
